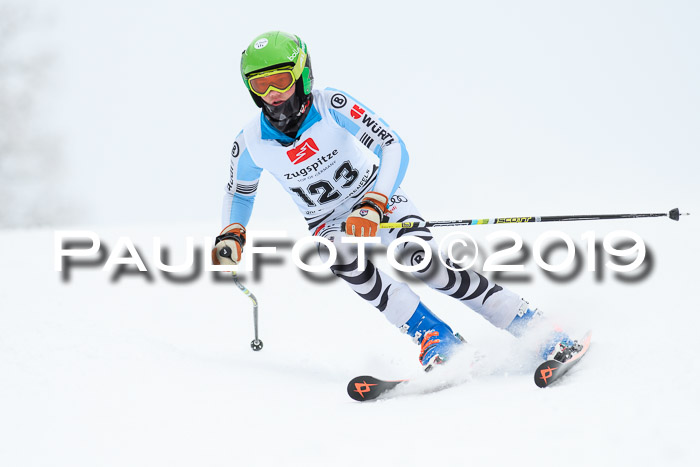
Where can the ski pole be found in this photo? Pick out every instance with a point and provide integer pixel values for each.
(673, 214)
(256, 344)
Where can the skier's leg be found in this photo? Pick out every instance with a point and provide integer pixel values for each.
(500, 306)
(495, 303)
(395, 299)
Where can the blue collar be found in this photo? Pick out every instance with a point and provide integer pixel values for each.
(270, 132)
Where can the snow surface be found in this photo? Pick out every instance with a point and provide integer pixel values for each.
(550, 108)
(143, 373)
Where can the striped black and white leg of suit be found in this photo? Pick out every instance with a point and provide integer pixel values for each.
(394, 298)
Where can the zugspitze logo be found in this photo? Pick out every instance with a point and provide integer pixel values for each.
(302, 152)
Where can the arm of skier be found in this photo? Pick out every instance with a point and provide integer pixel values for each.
(238, 205)
(377, 136)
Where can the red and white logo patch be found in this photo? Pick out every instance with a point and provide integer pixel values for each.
(302, 152)
(356, 111)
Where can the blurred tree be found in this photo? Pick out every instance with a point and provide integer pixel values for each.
(29, 156)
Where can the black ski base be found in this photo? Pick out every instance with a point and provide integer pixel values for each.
(367, 388)
(552, 370)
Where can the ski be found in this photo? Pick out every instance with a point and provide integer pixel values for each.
(367, 388)
(551, 370)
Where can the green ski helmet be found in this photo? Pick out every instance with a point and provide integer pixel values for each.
(277, 49)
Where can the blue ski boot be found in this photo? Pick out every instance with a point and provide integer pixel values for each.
(557, 346)
(436, 339)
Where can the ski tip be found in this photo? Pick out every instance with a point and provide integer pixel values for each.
(545, 373)
(367, 388)
(550, 371)
(362, 388)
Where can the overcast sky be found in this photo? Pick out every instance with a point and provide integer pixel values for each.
(507, 108)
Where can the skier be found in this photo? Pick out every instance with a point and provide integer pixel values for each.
(308, 140)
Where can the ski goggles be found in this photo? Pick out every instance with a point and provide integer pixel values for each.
(280, 80)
